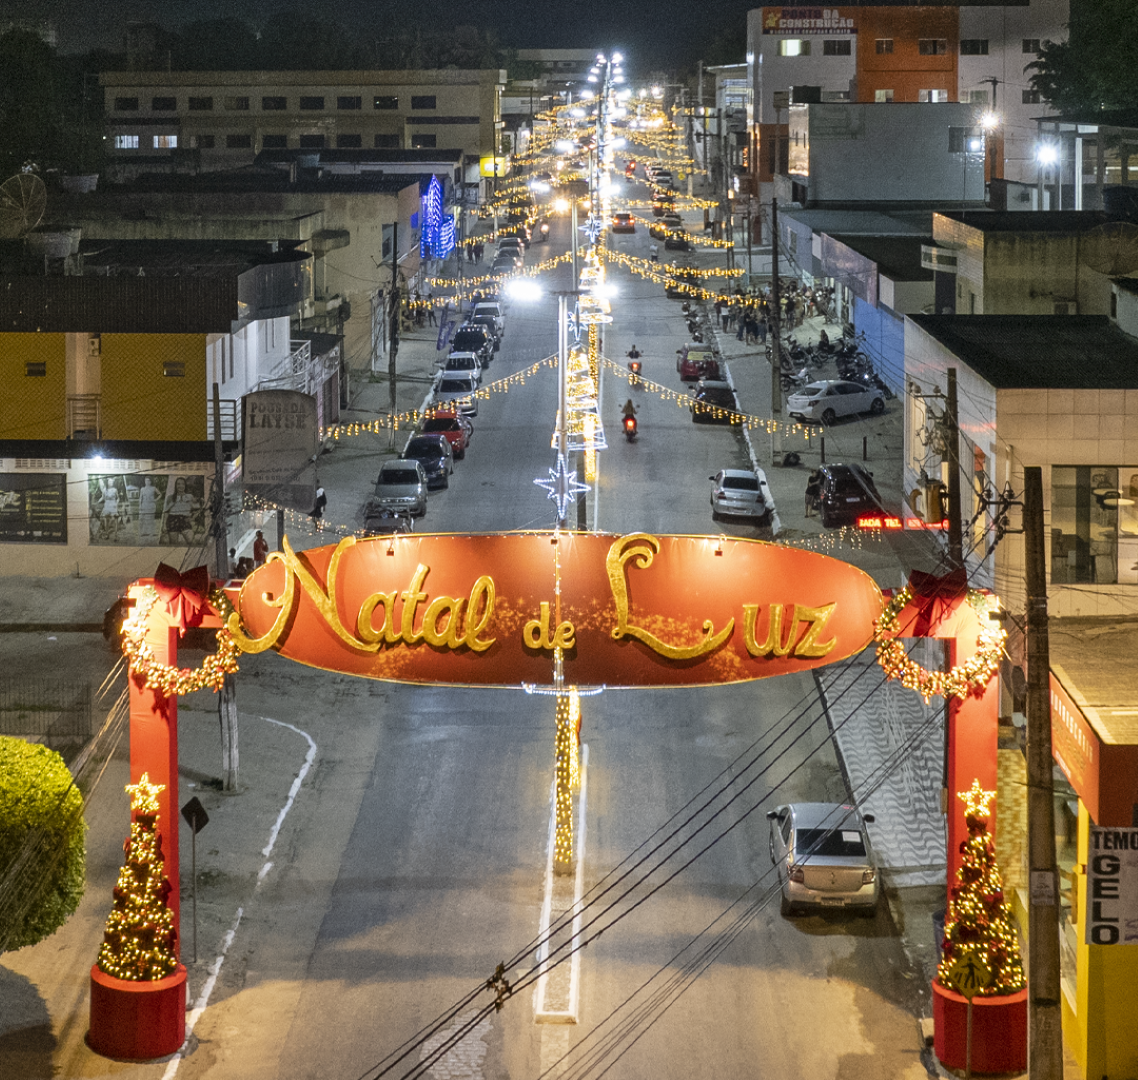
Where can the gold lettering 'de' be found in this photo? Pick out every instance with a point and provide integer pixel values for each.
(537, 634)
(775, 645)
(640, 549)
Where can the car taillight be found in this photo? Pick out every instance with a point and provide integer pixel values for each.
(796, 873)
(868, 876)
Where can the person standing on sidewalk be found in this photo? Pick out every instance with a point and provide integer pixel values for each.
(813, 492)
(260, 549)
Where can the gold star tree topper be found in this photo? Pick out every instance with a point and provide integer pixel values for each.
(144, 795)
(976, 800)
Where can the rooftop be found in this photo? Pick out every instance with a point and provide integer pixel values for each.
(1055, 221)
(1038, 352)
(837, 220)
(1095, 658)
(897, 257)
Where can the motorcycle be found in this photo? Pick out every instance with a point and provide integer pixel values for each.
(630, 430)
(543, 231)
(634, 373)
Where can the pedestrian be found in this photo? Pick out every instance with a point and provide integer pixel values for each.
(234, 571)
(813, 492)
(317, 511)
(478, 250)
(431, 311)
(728, 319)
(762, 330)
(742, 317)
(719, 310)
(260, 549)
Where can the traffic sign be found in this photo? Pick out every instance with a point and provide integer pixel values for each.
(968, 975)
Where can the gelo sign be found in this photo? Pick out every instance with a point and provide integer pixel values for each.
(635, 610)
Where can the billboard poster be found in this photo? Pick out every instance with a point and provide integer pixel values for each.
(147, 509)
(1112, 886)
(281, 436)
(33, 508)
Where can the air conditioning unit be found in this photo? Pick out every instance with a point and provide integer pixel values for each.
(1065, 307)
(94, 345)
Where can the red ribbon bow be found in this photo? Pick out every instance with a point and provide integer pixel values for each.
(934, 596)
(184, 594)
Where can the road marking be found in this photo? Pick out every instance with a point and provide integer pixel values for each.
(557, 997)
(195, 1014)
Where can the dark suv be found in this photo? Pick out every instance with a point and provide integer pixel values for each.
(472, 337)
(714, 403)
(847, 493)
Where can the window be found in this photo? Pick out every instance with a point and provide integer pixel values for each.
(349, 102)
(1032, 97)
(311, 103)
(165, 142)
(978, 97)
(312, 142)
(126, 104)
(973, 46)
(882, 95)
(274, 104)
(423, 142)
(932, 46)
(203, 142)
(35, 369)
(836, 47)
(1094, 525)
(201, 104)
(349, 142)
(1031, 45)
(932, 95)
(126, 142)
(387, 142)
(794, 47)
(884, 45)
(174, 369)
(423, 101)
(386, 101)
(962, 139)
(274, 142)
(238, 142)
(163, 104)
(236, 104)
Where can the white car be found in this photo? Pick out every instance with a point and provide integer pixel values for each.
(463, 363)
(494, 311)
(738, 493)
(457, 388)
(831, 398)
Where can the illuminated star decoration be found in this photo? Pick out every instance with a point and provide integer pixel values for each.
(562, 486)
(592, 228)
(573, 322)
(144, 795)
(976, 800)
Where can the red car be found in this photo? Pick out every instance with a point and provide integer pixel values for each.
(448, 423)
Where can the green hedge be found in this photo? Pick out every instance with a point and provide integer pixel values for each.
(33, 780)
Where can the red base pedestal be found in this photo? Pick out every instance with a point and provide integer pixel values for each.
(999, 1031)
(137, 1021)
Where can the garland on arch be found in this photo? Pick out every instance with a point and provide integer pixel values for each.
(165, 678)
(970, 677)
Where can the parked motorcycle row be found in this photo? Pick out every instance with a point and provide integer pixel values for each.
(801, 363)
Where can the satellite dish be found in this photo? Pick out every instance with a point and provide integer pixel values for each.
(23, 199)
(1111, 248)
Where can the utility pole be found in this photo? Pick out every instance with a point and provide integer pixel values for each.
(1045, 1056)
(227, 699)
(393, 316)
(952, 438)
(775, 320)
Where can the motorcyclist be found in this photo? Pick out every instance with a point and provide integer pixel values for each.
(634, 352)
(824, 339)
(629, 410)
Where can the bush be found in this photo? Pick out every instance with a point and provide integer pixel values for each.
(38, 806)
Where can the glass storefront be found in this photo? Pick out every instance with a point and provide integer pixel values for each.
(1094, 525)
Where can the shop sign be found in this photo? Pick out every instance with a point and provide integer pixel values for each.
(1075, 746)
(496, 610)
(1112, 886)
(808, 20)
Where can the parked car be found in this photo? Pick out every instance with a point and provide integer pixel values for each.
(738, 493)
(676, 241)
(401, 486)
(658, 230)
(824, 857)
(695, 361)
(446, 422)
(473, 338)
(457, 388)
(492, 309)
(680, 277)
(672, 220)
(714, 403)
(433, 452)
(491, 326)
(385, 522)
(463, 362)
(831, 398)
(623, 223)
(847, 493)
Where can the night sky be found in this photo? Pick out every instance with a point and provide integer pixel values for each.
(665, 28)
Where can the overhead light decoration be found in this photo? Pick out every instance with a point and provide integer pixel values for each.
(562, 486)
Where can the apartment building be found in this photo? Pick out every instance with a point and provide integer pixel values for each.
(202, 121)
(971, 53)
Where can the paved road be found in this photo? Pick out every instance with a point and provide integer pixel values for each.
(412, 859)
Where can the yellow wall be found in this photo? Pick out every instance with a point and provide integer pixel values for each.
(33, 407)
(139, 401)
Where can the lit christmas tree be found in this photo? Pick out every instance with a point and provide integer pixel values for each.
(978, 919)
(138, 943)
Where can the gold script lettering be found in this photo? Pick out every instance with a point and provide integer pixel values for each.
(284, 603)
(774, 645)
(817, 617)
(537, 635)
(640, 549)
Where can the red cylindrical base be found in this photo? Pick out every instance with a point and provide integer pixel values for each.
(999, 1031)
(137, 1021)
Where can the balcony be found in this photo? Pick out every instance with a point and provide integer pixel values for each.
(84, 416)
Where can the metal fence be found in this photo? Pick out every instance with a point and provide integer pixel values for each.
(46, 710)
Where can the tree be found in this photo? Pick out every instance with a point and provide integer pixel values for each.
(42, 843)
(226, 44)
(1097, 68)
(978, 920)
(31, 114)
(138, 942)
